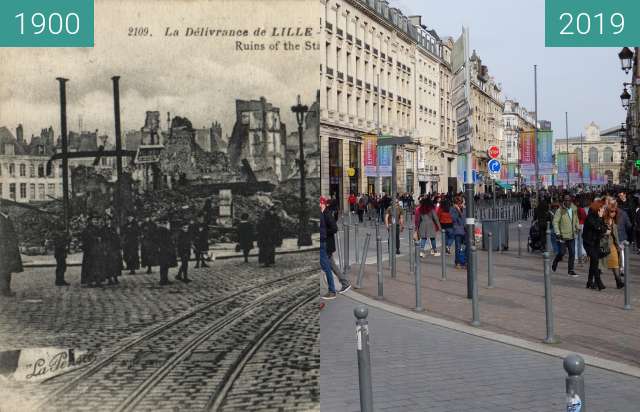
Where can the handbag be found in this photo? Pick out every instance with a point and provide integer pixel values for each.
(605, 250)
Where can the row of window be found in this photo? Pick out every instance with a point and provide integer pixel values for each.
(19, 191)
(22, 170)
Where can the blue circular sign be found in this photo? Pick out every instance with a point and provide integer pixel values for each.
(494, 166)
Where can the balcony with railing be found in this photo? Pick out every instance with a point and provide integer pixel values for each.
(367, 86)
(359, 83)
(350, 79)
(340, 76)
(329, 72)
(349, 38)
(339, 32)
(328, 26)
(359, 43)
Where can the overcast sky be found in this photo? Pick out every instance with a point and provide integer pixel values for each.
(509, 37)
(197, 78)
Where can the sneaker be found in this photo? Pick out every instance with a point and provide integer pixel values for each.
(421, 254)
(573, 274)
(344, 289)
(554, 265)
(329, 296)
(448, 251)
(436, 253)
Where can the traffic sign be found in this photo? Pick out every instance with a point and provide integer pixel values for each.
(462, 111)
(463, 129)
(464, 146)
(494, 166)
(494, 152)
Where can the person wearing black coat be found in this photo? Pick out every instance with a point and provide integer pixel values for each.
(184, 251)
(594, 229)
(269, 237)
(94, 265)
(113, 251)
(149, 255)
(331, 230)
(201, 241)
(10, 260)
(166, 250)
(245, 236)
(131, 244)
(61, 240)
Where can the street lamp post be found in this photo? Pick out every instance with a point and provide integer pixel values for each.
(304, 236)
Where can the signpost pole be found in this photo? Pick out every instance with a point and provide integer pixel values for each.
(468, 185)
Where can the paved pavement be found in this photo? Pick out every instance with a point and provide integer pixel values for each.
(586, 321)
(417, 366)
(101, 320)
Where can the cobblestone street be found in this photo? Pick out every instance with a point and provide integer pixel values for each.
(184, 341)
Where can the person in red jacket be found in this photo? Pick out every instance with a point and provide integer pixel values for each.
(352, 202)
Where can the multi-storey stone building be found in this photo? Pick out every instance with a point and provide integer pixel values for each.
(515, 120)
(383, 73)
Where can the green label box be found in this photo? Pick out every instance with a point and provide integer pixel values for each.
(46, 23)
(592, 23)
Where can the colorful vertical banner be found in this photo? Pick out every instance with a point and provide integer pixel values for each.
(563, 167)
(545, 152)
(385, 153)
(586, 173)
(528, 156)
(574, 168)
(593, 176)
(370, 154)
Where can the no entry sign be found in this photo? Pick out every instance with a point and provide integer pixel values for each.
(494, 151)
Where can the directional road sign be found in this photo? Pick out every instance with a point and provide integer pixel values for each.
(494, 166)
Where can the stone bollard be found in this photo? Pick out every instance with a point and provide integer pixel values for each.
(490, 261)
(443, 253)
(418, 277)
(363, 261)
(574, 383)
(474, 290)
(627, 276)
(379, 262)
(345, 250)
(519, 239)
(364, 359)
(548, 302)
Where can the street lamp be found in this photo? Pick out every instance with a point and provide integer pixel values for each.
(304, 236)
(626, 59)
(625, 97)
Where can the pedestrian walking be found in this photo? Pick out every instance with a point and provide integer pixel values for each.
(60, 240)
(183, 246)
(612, 261)
(94, 266)
(625, 230)
(166, 250)
(362, 205)
(565, 227)
(131, 244)
(427, 226)
(149, 248)
(10, 260)
(113, 252)
(526, 206)
(269, 237)
(325, 263)
(446, 222)
(594, 232)
(246, 234)
(458, 231)
(352, 202)
(201, 241)
(388, 221)
(331, 228)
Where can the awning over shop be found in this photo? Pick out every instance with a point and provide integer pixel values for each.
(505, 186)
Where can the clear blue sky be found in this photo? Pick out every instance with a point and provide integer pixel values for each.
(509, 37)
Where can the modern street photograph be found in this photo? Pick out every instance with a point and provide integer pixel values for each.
(480, 221)
(159, 229)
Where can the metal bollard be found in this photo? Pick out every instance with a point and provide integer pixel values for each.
(627, 276)
(364, 359)
(345, 249)
(548, 302)
(355, 240)
(474, 290)
(418, 275)
(574, 383)
(339, 250)
(443, 261)
(549, 247)
(363, 261)
(379, 262)
(412, 245)
(519, 239)
(490, 261)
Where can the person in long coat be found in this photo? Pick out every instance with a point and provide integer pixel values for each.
(269, 237)
(113, 252)
(61, 241)
(183, 247)
(10, 260)
(149, 247)
(245, 236)
(201, 241)
(131, 244)
(166, 251)
(93, 271)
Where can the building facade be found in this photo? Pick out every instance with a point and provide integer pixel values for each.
(600, 149)
(23, 176)
(515, 119)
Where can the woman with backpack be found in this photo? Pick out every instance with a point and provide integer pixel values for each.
(446, 222)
